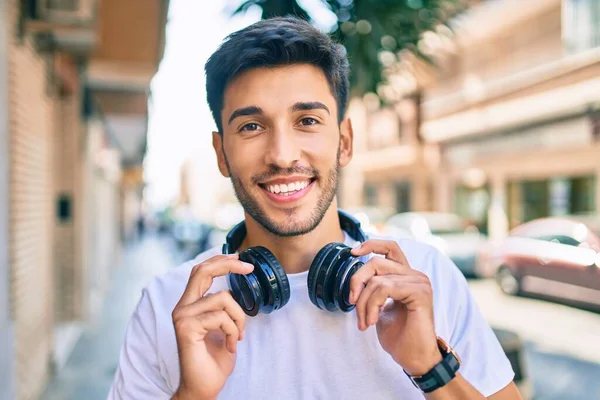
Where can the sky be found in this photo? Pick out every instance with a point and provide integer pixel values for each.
(180, 123)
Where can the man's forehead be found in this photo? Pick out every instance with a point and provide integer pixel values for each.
(278, 87)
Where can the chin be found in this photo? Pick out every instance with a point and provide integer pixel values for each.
(293, 221)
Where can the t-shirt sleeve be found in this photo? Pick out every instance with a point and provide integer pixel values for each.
(484, 363)
(138, 375)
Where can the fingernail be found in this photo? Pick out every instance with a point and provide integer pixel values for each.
(351, 298)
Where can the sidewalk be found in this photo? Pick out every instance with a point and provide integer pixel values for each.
(90, 369)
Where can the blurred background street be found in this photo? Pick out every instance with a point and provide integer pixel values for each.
(476, 129)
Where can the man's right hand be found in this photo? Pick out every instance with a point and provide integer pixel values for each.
(207, 329)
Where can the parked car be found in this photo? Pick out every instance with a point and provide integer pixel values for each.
(372, 219)
(555, 258)
(191, 235)
(450, 233)
(591, 220)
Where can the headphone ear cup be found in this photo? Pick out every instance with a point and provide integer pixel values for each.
(322, 275)
(263, 290)
(280, 275)
(314, 270)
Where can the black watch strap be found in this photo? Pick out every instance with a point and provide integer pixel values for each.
(439, 376)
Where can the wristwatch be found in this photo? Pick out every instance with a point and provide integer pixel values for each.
(442, 373)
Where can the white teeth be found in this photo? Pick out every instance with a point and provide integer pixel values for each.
(287, 189)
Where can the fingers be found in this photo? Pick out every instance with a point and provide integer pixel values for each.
(192, 329)
(375, 266)
(195, 315)
(202, 275)
(387, 248)
(413, 291)
(220, 301)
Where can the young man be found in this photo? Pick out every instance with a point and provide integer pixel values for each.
(278, 91)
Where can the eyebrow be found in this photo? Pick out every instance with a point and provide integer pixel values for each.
(250, 110)
(309, 105)
(299, 106)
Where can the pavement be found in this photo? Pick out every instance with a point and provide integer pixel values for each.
(560, 341)
(90, 369)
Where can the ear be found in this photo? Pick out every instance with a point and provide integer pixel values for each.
(346, 142)
(218, 146)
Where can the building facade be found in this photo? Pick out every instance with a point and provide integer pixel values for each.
(391, 170)
(74, 77)
(7, 376)
(515, 111)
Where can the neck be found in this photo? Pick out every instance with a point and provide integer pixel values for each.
(296, 253)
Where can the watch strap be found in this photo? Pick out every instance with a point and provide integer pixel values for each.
(439, 376)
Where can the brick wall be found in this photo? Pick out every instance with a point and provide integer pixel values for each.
(31, 129)
(101, 215)
(67, 240)
(6, 324)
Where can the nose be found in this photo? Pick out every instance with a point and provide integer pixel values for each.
(282, 149)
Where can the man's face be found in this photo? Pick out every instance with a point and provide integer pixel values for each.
(282, 146)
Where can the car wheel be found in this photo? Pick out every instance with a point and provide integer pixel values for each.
(508, 281)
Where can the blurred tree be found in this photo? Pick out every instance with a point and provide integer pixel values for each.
(374, 32)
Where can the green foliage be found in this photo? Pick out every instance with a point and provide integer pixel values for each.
(369, 27)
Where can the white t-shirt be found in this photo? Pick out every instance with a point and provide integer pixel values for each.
(302, 352)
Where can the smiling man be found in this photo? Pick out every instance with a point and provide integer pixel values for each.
(299, 303)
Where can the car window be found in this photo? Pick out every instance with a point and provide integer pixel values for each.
(562, 239)
(429, 223)
(444, 224)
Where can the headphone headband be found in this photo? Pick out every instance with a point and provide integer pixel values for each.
(348, 223)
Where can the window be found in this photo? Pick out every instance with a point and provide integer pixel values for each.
(402, 196)
(582, 196)
(370, 194)
(596, 128)
(554, 197)
(581, 21)
(562, 239)
(63, 5)
(473, 204)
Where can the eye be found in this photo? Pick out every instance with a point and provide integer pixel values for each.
(308, 121)
(251, 127)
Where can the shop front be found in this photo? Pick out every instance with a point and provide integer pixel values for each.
(502, 180)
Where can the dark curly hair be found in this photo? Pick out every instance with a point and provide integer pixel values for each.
(274, 42)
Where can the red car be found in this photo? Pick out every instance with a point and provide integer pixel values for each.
(557, 258)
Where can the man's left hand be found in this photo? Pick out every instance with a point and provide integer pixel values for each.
(397, 299)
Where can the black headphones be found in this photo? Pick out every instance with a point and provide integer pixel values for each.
(267, 289)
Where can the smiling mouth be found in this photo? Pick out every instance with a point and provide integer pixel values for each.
(287, 189)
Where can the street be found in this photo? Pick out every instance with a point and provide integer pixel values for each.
(89, 371)
(561, 342)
